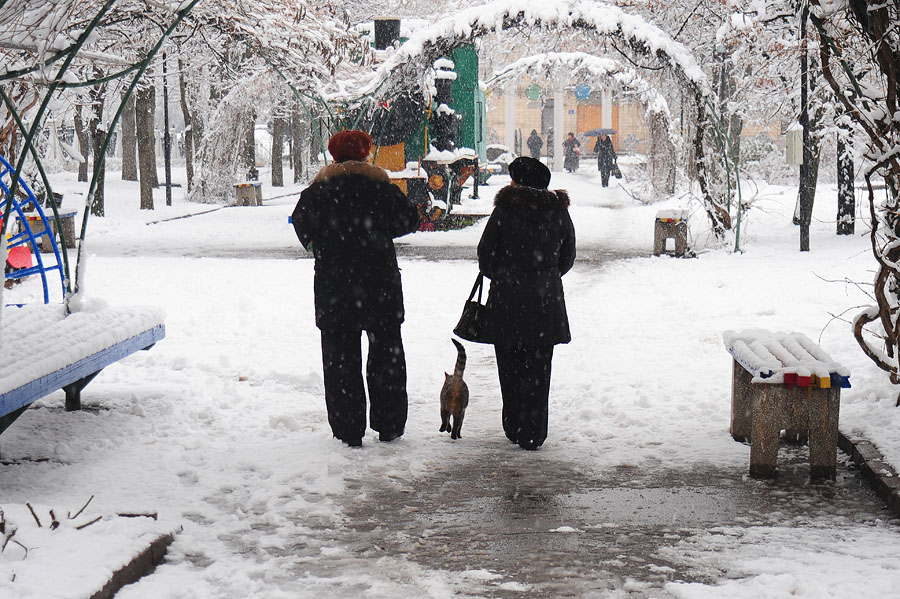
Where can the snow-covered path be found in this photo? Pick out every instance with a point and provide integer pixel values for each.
(221, 428)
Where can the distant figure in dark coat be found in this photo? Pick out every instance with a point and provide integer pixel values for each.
(571, 153)
(535, 143)
(527, 246)
(348, 219)
(606, 158)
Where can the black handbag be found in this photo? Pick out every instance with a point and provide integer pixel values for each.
(472, 325)
(616, 172)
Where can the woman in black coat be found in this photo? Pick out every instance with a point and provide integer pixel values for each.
(606, 158)
(527, 246)
(348, 219)
(571, 153)
(535, 143)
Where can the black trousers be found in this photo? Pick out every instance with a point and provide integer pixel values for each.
(525, 387)
(604, 174)
(345, 396)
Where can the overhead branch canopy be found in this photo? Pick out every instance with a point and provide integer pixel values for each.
(307, 46)
(583, 66)
(635, 34)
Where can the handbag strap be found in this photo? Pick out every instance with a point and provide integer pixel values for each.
(479, 286)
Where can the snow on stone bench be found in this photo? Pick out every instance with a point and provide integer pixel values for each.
(42, 350)
(785, 381)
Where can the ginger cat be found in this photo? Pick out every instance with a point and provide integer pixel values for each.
(454, 395)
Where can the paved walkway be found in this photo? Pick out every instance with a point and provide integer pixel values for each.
(510, 523)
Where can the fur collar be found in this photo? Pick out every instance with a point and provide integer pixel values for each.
(519, 196)
(351, 167)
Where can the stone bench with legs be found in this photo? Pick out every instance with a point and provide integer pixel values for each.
(785, 382)
(670, 224)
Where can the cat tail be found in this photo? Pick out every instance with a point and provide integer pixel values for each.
(460, 358)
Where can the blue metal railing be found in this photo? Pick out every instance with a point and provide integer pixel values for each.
(27, 236)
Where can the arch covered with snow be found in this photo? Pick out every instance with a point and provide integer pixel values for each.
(583, 65)
(587, 67)
(410, 62)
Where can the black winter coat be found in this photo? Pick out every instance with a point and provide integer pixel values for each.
(606, 153)
(350, 214)
(526, 248)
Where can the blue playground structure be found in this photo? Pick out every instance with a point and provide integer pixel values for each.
(50, 347)
(28, 211)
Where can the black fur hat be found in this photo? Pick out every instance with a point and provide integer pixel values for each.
(529, 172)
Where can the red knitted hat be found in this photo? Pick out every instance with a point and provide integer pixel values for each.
(350, 145)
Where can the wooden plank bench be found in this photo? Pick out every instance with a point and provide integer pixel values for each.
(44, 351)
(785, 382)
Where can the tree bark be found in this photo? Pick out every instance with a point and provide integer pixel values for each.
(298, 143)
(129, 142)
(248, 152)
(98, 136)
(846, 211)
(146, 97)
(662, 156)
(188, 126)
(82, 137)
(278, 127)
(145, 122)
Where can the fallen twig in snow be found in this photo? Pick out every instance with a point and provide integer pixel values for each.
(153, 515)
(35, 516)
(78, 513)
(86, 524)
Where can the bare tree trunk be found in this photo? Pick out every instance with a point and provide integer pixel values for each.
(188, 126)
(145, 121)
(146, 97)
(129, 142)
(82, 144)
(248, 152)
(662, 156)
(278, 127)
(846, 211)
(98, 136)
(298, 143)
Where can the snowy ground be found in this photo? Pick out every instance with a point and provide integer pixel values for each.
(221, 427)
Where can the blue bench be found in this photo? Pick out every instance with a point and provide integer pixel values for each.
(44, 352)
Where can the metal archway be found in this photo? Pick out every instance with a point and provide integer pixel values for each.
(634, 33)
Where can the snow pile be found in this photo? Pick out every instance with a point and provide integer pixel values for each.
(36, 340)
(769, 356)
(39, 543)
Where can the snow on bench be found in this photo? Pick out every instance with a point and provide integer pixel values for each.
(785, 381)
(42, 350)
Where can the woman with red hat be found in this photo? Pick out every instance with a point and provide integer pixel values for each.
(348, 219)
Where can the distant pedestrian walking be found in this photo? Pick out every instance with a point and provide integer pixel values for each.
(606, 158)
(535, 143)
(527, 246)
(571, 153)
(348, 219)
